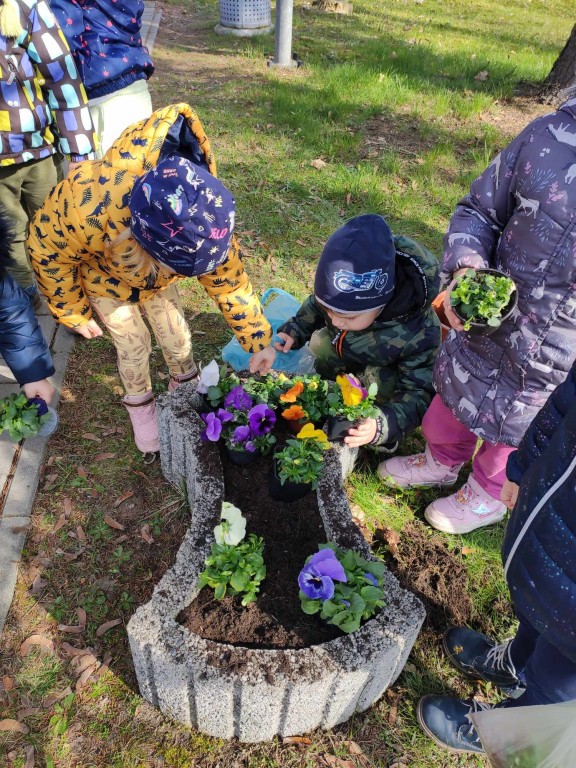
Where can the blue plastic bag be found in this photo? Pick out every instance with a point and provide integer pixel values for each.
(279, 306)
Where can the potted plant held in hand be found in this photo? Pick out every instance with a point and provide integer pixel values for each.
(21, 417)
(297, 467)
(482, 299)
(245, 428)
(342, 586)
(349, 404)
(235, 565)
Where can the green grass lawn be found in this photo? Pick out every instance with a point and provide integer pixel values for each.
(404, 102)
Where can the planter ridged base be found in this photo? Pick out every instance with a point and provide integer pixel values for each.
(252, 694)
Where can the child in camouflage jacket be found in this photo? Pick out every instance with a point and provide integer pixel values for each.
(371, 314)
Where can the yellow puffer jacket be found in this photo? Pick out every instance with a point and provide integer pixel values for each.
(68, 234)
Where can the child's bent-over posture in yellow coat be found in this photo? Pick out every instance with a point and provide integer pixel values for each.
(114, 237)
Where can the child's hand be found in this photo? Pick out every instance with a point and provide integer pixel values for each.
(509, 494)
(42, 389)
(262, 361)
(451, 316)
(89, 330)
(361, 435)
(286, 344)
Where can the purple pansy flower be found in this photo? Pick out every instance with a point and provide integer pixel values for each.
(372, 579)
(224, 416)
(240, 436)
(317, 577)
(261, 419)
(213, 427)
(238, 399)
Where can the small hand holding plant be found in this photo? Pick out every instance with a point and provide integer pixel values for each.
(234, 566)
(301, 460)
(342, 586)
(22, 417)
(481, 297)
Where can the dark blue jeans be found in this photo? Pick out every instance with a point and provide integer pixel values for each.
(549, 675)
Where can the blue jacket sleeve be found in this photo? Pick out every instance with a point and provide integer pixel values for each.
(542, 428)
(22, 344)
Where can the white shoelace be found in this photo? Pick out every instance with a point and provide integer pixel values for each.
(475, 706)
(499, 658)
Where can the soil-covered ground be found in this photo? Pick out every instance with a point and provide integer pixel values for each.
(291, 532)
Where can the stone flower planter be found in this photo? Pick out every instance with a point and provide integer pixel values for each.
(251, 694)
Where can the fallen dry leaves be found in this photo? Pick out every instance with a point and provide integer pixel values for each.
(77, 628)
(13, 726)
(44, 641)
(123, 497)
(113, 523)
(106, 626)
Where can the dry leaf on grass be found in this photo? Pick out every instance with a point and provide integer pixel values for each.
(75, 629)
(105, 664)
(353, 748)
(337, 762)
(392, 714)
(22, 714)
(67, 504)
(84, 677)
(80, 533)
(114, 523)
(483, 75)
(29, 752)
(69, 650)
(37, 585)
(8, 683)
(62, 520)
(54, 697)
(318, 163)
(123, 497)
(44, 641)
(104, 456)
(468, 550)
(146, 535)
(92, 436)
(106, 626)
(80, 663)
(296, 740)
(81, 471)
(13, 726)
(390, 538)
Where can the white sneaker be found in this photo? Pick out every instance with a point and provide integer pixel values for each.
(421, 470)
(464, 511)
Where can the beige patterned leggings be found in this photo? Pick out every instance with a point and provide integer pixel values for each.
(131, 336)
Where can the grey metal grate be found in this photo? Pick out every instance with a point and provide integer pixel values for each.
(245, 14)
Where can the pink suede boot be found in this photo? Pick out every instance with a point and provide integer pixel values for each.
(180, 378)
(142, 412)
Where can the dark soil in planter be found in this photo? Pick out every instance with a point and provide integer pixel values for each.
(291, 532)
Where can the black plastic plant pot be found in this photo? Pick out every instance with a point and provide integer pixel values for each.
(287, 491)
(337, 427)
(240, 458)
(482, 328)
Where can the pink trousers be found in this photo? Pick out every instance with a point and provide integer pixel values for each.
(452, 443)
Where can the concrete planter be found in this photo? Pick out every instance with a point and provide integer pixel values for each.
(254, 695)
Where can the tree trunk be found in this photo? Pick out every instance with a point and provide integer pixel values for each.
(563, 73)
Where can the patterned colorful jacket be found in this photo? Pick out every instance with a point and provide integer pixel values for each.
(104, 37)
(42, 99)
(520, 217)
(539, 549)
(68, 234)
(397, 350)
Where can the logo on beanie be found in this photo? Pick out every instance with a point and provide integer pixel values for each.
(349, 282)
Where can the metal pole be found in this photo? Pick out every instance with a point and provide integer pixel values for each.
(283, 35)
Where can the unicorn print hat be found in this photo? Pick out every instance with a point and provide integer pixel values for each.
(182, 216)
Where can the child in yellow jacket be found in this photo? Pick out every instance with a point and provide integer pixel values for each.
(114, 237)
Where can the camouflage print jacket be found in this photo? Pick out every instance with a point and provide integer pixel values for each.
(397, 350)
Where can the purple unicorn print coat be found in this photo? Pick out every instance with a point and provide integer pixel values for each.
(519, 217)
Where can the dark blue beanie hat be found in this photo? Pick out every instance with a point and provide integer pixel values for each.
(355, 272)
(182, 216)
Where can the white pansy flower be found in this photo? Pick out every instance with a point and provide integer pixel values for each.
(233, 527)
(209, 377)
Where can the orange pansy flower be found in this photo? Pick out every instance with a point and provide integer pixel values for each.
(294, 413)
(292, 394)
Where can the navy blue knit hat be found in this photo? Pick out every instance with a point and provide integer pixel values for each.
(182, 216)
(355, 272)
